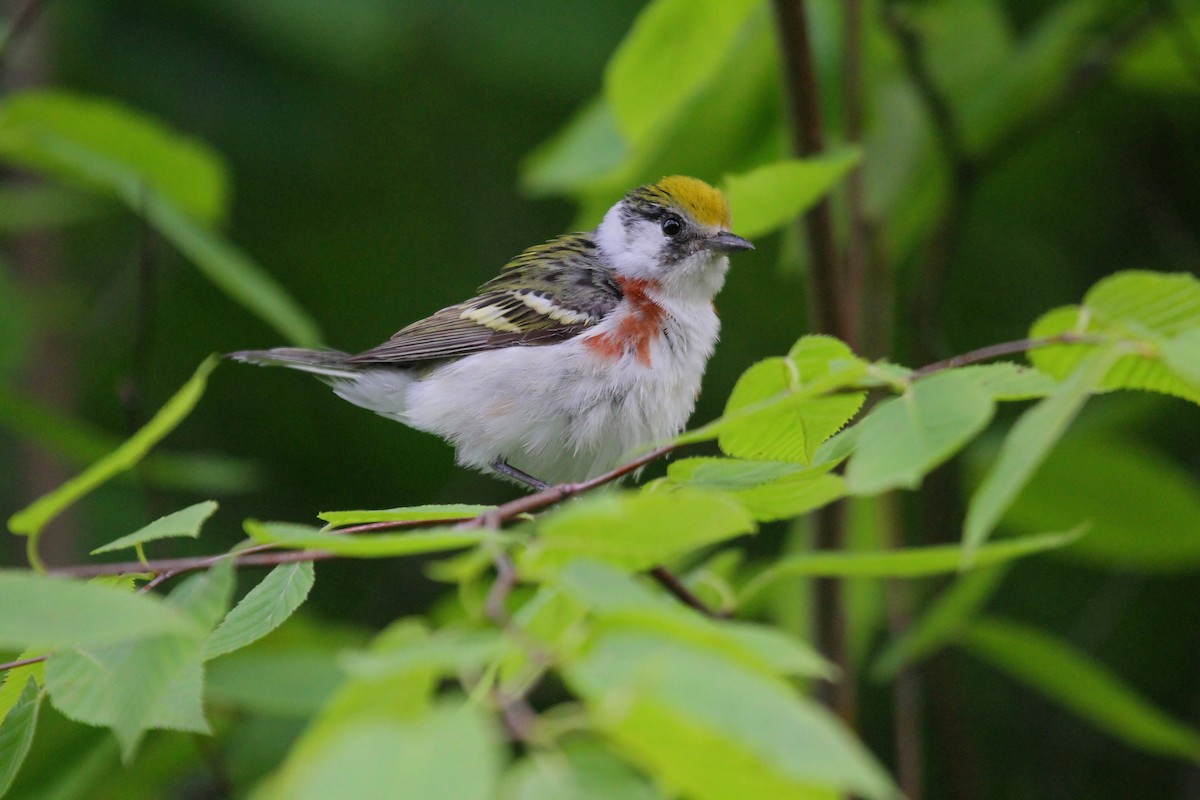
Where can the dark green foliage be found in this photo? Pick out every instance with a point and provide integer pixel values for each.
(220, 175)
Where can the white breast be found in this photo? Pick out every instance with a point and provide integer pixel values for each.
(559, 412)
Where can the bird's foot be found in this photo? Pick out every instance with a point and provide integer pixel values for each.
(504, 468)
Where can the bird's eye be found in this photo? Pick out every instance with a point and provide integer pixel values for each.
(672, 226)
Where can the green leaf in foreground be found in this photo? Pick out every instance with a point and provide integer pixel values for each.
(16, 734)
(55, 612)
(154, 682)
(1027, 445)
(770, 196)
(31, 520)
(449, 753)
(1149, 308)
(635, 530)
(755, 737)
(1071, 679)
(771, 490)
(185, 522)
(446, 511)
(783, 409)
(377, 545)
(577, 772)
(913, 562)
(904, 438)
(618, 602)
(263, 609)
(1006, 381)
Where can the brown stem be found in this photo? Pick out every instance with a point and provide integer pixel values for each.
(830, 315)
(22, 18)
(804, 108)
(672, 584)
(862, 302)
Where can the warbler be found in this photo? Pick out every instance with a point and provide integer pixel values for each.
(580, 351)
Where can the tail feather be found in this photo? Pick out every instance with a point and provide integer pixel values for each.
(325, 363)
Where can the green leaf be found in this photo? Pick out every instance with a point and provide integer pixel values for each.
(577, 772)
(377, 545)
(290, 683)
(782, 409)
(450, 753)
(447, 652)
(685, 39)
(1026, 446)
(1147, 308)
(771, 490)
(1181, 355)
(1006, 381)
(205, 596)
(1071, 679)
(619, 603)
(32, 519)
(124, 686)
(15, 678)
(155, 682)
(185, 522)
(263, 609)
(185, 171)
(16, 734)
(941, 623)
(912, 562)
(450, 511)
(53, 612)
(904, 438)
(754, 737)
(1143, 508)
(768, 197)
(634, 530)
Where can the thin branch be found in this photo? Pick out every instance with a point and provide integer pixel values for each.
(24, 662)
(672, 584)
(1003, 349)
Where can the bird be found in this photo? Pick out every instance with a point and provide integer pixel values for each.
(581, 351)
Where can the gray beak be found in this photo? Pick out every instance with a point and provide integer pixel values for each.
(726, 242)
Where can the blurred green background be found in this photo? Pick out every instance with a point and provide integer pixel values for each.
(375, 150)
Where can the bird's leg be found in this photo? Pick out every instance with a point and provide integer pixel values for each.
(503, 467)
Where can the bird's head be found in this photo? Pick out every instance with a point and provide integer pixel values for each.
(675, 232)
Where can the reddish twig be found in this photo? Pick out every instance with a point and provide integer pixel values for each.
(1003, 349)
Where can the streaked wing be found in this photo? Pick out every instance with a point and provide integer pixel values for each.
(548, 294)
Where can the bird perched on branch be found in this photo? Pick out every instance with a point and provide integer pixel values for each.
(581, 350)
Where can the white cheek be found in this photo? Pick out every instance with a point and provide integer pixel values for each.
(634, 252)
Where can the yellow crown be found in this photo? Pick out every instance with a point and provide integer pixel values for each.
(692, 196)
